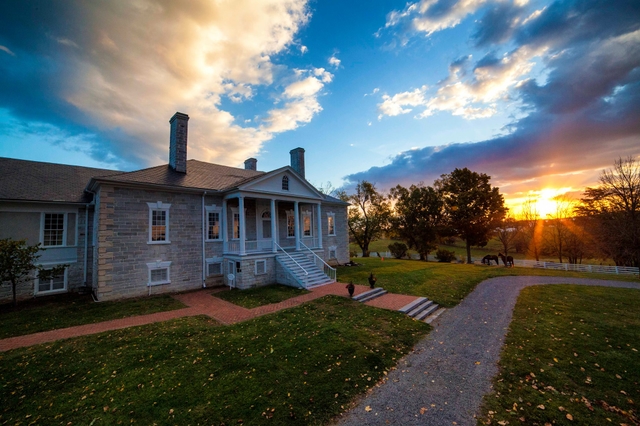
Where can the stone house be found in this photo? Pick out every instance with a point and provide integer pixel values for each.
(174, 227)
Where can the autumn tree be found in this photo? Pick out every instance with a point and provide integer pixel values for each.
(418, 217)
(473, 208)
(614, 207)
(18, 264)
(368, 216)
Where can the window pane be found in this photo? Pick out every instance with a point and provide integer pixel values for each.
(332, 230)
(291, 226)
(236, 225)
(266, 229)
(215, 268)
(214, 226)
(58, 282)
(158, 225)
(285, 183)
(53, 229)
(158, 275)
(306, 221)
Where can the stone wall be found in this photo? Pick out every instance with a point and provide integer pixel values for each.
(124, 248)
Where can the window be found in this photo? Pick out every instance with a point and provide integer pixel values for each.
(306, 223)
(331, 223)
(159, 223)
(53, 284)
(285, 183)
(238, 268)
(214, 268)
(291, 224)
(261, 267)
(266, 224)
(159, 273)
(213, 222)
(332, 252)
(53, 230)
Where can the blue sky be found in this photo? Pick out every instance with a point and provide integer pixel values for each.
(540, 95)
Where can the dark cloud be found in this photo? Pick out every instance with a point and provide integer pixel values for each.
(581, 118)
(497, 24)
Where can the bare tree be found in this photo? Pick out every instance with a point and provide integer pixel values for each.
(558, 228)
(614, 207)
(508, 233)
(531, 229)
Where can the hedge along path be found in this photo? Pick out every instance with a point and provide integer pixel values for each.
(443, 380)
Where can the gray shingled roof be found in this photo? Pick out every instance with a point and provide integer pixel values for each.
(199, 175)
(37, 181)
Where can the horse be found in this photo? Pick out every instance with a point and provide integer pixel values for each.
(488, 258)
(507, 260)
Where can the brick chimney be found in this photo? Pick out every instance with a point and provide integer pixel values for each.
(178, 142)
(251, 164)
(297, 160)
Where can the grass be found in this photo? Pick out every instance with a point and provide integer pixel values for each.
(570, 357)
(67, 310)
(445, 283)
(298, 366)
(260, 296)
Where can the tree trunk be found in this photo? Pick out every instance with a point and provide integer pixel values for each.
(13, 287)
(365, 250)
(468, 252)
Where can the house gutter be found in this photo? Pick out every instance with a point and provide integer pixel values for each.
(204, 230)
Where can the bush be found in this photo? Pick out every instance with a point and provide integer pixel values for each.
(398, 250)
(444, 255)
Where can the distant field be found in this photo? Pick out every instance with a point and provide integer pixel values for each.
(459, 248)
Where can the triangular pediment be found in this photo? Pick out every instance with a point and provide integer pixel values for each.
(272, 183)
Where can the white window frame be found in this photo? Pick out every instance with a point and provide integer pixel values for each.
(307, 215)
(285, 183)
(264, 267)
(334, 250)
(155, 266)
(65, 229)
(214, 261)
(60, 290)
(218, 210)
(291, 216)
(159, 206)
(331, 223)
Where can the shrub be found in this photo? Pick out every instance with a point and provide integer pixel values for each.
(398, 250)
(444, 255)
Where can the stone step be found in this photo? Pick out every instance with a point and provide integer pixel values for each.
(420, 308)
(370, 295)
(424, 314)
(406, 308)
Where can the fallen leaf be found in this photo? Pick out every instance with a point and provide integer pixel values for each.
(618, 376)
(367, 408)
(569, 417)
(541, 407)
(477, 362)
(561, 408)
(423, 410)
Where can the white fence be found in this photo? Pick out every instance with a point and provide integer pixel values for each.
(578, 267)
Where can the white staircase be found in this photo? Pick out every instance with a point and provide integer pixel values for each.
(303, 269)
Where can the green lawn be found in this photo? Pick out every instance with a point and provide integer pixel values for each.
(445, 283)
(298, 366)
(570, 357)
(67, 310)
(252, 298)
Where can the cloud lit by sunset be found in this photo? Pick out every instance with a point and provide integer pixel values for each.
(541, 95)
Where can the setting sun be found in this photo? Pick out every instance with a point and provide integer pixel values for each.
(544, 201)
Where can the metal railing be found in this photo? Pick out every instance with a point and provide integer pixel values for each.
(328, 270)
(306, 274)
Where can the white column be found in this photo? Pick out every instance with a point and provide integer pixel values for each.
(296, 214)
(223, 227)
(274, 219)
(242, 223)
(319, 223)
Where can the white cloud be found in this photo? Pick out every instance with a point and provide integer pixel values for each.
(469, 94)
(304, 49)
(334, 61)
(7, 50)
(187, 58)
(430, 16)
(394, 105)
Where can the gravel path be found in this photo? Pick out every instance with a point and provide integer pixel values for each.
(450, 371)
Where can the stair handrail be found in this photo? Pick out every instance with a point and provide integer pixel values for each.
(332, 269)
(306, 274)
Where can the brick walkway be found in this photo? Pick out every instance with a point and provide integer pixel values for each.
(201, 303)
